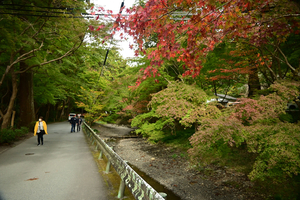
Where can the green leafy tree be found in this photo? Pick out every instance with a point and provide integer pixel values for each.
(31, 41)
(177, 105)
(91, 102)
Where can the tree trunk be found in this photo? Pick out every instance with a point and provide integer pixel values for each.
(253, 82)
(48, 112)
(62, 110)
(7, 115)
(57, 111)
(27, 114)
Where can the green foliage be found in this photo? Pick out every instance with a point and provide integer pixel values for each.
(277, 147)
(177, 105)
(180, 139)
(153, 131)
(123, 97)
(285, 117)
(18, 132)
(90, 102)
(111, 118)
(184, 103)
(117, 94)
(10, 135)
(216, 134)
(24, 130)
(7, 136)
(21, 132)
(56, 83)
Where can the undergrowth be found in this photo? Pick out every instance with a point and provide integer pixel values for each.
(238, 159)
(8, 136)
(180, 139)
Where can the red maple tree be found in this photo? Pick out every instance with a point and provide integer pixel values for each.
(187, 30)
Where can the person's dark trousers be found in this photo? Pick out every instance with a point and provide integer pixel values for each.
(40, 138)
(73, 128)
(78, 127)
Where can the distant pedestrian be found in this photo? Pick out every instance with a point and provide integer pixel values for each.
(79, 121)
(40, 129)
(73, 122)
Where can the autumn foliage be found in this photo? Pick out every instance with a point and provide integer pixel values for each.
(187, 30)
(253, 36)
(261, 125)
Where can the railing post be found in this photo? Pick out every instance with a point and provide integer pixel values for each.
(108, 166)
(121, 189)
(138, 185)
(164, 195)
(100, 155)
(108, 163)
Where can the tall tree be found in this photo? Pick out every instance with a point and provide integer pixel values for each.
(29, 42)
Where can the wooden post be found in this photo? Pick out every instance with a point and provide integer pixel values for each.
(13, 119)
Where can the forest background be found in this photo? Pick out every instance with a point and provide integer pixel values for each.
(53, 62)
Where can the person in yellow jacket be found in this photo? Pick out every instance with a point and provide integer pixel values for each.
(40, 129)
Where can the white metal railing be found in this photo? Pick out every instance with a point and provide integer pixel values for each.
(140, 189)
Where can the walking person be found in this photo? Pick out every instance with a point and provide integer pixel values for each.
(73, 122)
(40, 129)
(79, 121)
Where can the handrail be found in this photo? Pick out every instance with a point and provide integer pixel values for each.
(140, 189)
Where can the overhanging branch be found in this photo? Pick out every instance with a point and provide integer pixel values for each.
(21, 58)
(72, 50)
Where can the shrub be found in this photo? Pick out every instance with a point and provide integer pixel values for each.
(90, 119)
(184, 103)
(260, 124)
(7, 136)
(111, 118)
(178, 104)
(18, 133)
(21, 132)
(216, 134)
(278, 149)
(24, 130)
(153, 131)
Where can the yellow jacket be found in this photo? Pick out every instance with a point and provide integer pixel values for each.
(36, 127)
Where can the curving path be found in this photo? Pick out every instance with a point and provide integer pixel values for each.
(62, 169)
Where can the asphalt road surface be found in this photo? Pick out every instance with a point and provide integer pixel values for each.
(62, 169)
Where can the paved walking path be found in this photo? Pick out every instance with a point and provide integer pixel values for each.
(62, 169)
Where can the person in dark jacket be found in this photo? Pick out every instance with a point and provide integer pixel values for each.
(73, 122)
(79, 121)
